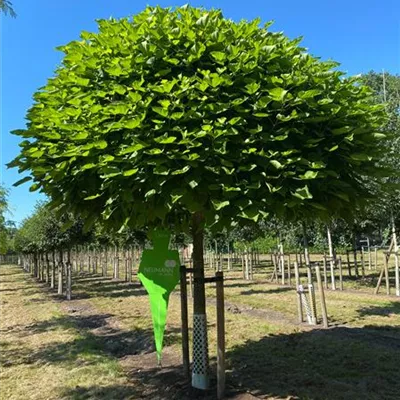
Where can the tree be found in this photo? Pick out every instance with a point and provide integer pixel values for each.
(386, 89)
(3, 221)
(185, 119)
(6, 8)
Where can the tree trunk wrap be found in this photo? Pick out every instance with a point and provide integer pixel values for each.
(200, 378)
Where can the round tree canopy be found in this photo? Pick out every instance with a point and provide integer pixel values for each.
(180, 111)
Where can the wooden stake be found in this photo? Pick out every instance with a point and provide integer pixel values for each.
(185, 324)
(348, 263)
(340, 273)
(299, 302)
(325, 273)
(322, 297)
(331, 259)
(362, 263)
(387, 275)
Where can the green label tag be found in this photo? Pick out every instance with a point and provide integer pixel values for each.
(159, 273)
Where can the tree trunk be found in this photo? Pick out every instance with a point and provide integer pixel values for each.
(60, 273)
(69, 275)
(47, 268)
(35, 265)
(200, 378)
(53, 270)
(396, 258)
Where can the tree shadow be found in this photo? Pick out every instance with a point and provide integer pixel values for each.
(385, 310)
(369, 281)
(167, 383)
(112, 289)
(338, 363)
(97, 338)
(267, 291)
(19, 289)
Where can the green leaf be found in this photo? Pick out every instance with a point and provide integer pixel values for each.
(132, 149)
(334, 148)
(360, 157)
(252, 213)
(220, 204)
(130, 172)
(34, 187)
(100, 144)
(252, 88)
(310, 175)
(165, 140)
(303, 193)
(150, 193)
(277, 94)
(132, 124)
(37, 154)
(160, 110)
(342, 130)
(181, 171)
(23, 180)
(88, 166)
(218, 56)
(276, 164)
(95, 196)
(309, 94)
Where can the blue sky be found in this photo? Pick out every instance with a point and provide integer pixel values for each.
(360, 34)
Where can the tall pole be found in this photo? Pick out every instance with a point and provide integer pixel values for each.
(331, 262)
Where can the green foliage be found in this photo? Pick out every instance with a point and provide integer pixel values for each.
(44, 230)
(3, 222)
(386, 88)
(7, 9)
(180, 111)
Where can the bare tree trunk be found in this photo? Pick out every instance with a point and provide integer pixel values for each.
(396, 258)
(53, 270)
(60, 273)
(69, 275)
(47, 268)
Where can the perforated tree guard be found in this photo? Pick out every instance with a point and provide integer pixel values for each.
(200, 352)
(306, 304)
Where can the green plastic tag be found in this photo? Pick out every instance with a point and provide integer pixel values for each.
(159, 273)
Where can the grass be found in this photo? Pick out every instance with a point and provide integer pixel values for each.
(44, 354)
(100, 346)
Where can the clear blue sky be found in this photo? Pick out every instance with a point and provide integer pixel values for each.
(360, 34)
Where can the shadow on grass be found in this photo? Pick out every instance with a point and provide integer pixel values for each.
(267, 291)
(107, 288)
(97, 338)
(150, 383)
(19, 289)
(369, 281)
(338, 363)
(384, 310)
